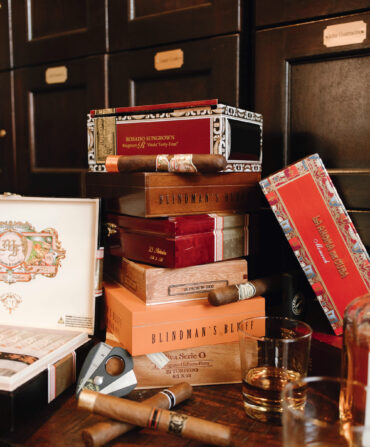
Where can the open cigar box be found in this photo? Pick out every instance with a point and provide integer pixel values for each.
(50, 264)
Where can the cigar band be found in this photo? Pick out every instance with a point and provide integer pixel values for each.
(246, 291)
(161, 162)
(182, 163)
(171, 398)
(176, 423)
(154, 418)
(111, 163)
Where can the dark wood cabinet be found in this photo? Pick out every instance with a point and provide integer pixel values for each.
(201, 69)
(146, 23)
(7, 154)
(314, 95)
(45, 31)
(5, 60)
(51, 124)
(273, 12)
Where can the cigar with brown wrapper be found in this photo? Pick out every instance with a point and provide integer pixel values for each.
(144, 415)
(239, 292)
(181, 163)
(103, 432)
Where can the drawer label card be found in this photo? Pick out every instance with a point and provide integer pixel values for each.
(56, 75)
(167, 60)
(345, 34)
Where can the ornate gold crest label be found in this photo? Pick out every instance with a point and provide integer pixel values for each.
(25, 252)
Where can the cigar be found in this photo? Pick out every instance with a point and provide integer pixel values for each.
(239, 292)
(103, 432)
(182, 163)
(144, 415)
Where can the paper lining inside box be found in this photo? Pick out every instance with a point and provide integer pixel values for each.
(25, 352)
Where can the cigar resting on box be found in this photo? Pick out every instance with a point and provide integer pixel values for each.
(181, 163)
(144, 415)
(103, 432)
(239, 292)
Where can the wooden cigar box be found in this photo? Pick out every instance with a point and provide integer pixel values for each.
(158, 285)
(321, 235)
(50, 263)
(156, 194)
(143, 329)
(171, 129)
(201, 365)
(178, 241)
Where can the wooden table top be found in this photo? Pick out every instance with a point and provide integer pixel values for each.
(61, 423)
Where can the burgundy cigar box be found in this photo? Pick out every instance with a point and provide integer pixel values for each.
(178, 241)
(50, 270)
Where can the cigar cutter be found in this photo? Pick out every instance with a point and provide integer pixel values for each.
(107, 370)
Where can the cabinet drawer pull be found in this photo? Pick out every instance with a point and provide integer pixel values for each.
(2, 133)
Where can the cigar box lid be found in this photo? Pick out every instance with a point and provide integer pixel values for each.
(321, 234)
(155, 107)
(174, 226)
(48, 257)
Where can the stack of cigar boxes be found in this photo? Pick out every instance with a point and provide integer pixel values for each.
(171, 238)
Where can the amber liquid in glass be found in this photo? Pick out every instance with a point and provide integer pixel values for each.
(262, 388)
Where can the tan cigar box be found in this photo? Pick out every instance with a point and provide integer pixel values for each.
(201, 365)
(158, 285)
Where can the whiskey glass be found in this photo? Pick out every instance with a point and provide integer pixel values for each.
(326, 412)
(273, 352)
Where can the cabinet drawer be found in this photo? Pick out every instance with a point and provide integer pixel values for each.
(188, 71)
(6, 135)
(272, 12)
(143, 23)
(4, 36)
(51, 105)
(315, 98)
(45, 31)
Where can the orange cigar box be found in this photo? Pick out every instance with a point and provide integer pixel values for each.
(145, 329)
(159, 285)
(201, 365)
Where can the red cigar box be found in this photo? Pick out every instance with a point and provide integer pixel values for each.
(198, 127)
(179, 241)
(321, 234)
(50, 264)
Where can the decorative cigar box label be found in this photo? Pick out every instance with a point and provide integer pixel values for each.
(143, 329)
(25, 252)
(156, 285)
(321, 235)
(169, 129)
(345, 34)
(179, 241)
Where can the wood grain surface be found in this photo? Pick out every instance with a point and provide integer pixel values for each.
(61, 423)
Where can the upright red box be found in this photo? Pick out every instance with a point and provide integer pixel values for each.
(321, 234)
